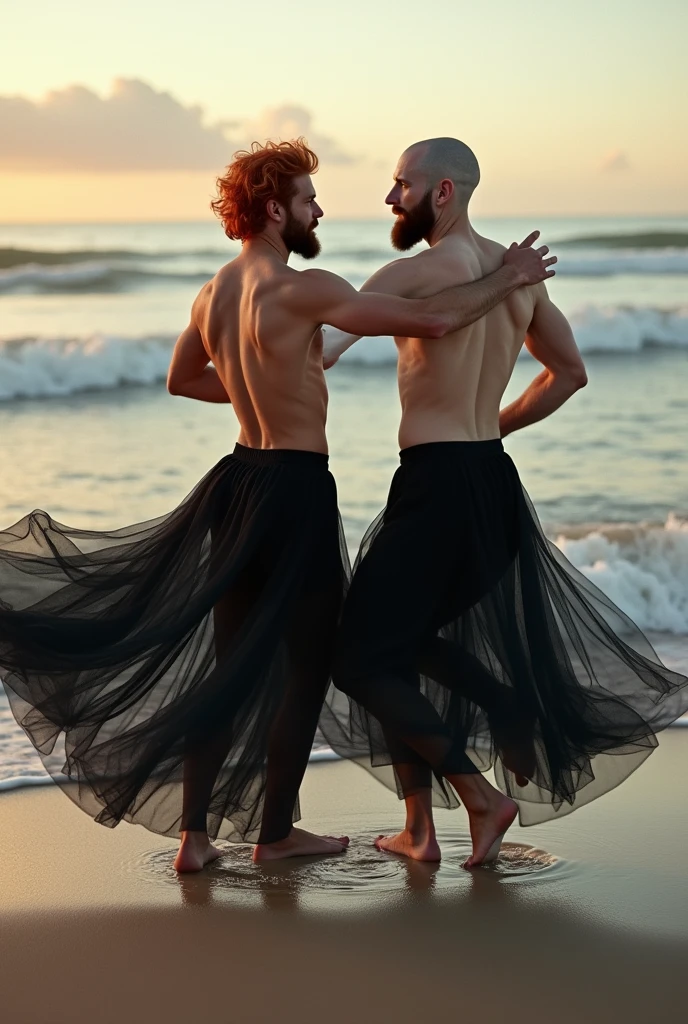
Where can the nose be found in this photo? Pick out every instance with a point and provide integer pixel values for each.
(318, 212)
(390, 200)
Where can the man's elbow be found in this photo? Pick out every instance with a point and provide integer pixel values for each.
(575, 378)
(579, 378)
(434, 326)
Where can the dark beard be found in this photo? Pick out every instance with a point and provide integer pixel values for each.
(412, 226)
(303, 241)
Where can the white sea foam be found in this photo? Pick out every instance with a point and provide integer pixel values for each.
(597, 329)
(46, 367)
(614, 329)
(642, 568)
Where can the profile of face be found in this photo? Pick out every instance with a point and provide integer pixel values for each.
(411, 200)
(302, 216)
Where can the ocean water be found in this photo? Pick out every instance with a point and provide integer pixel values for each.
(89, 313)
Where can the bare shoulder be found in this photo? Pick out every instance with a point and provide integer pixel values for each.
(202, 301)
(313, 282)
(539, 294)
(491, 253)
(395, 278)
(452, 261)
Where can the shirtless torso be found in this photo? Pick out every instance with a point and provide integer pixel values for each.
(268, 359)
(451, 388)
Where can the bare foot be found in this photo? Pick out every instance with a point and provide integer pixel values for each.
(409, 844)
(488, 826)
(195, 852)
(299, 843)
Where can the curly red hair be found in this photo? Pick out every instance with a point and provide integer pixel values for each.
(256, 176)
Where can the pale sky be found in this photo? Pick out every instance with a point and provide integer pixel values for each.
(570, 108)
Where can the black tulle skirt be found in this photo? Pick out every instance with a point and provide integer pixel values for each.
(157, 668)
(467, 635)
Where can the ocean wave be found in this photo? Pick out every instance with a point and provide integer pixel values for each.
(640, 263)
(46, 367)
(12, 257)
(91, 277)
(33, 271)
(51, 367)
(618, 329)
(643, 568)
(636, 240)
(597, 330)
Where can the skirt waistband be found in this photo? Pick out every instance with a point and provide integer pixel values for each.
(280, 456)
(459, 450)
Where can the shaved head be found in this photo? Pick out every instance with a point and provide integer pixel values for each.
(446, 158)
(434, 179)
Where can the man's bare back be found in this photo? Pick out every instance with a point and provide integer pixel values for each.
(451, 389)
(268, 360)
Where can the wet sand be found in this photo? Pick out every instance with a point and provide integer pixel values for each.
(584, 919)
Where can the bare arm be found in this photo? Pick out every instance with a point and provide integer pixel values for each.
(190, 373)
(448, 310)
(550, 340)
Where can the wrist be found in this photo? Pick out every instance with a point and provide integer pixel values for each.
(513, 274)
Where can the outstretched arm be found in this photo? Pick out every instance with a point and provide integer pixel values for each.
(190, 373)
(438, 314)
(550, 339)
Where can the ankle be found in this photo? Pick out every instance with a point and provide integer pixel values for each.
(194, 836)
(476, 794)
(420, 826)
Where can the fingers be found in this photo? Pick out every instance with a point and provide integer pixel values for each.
(543, 250)
(527, 242)
(550, 261)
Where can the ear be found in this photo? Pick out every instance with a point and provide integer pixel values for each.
(445, 190)
(275, 211)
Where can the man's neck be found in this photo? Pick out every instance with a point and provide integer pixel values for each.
(452, 224)
(267, 243)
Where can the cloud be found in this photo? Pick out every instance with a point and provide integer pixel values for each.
(615, 160)
(135, 128)
(289, 122)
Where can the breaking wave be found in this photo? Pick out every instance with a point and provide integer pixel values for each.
(46, 367)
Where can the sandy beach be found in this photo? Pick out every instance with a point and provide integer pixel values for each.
(582, 919)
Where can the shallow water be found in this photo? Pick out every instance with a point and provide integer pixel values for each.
(362, 869)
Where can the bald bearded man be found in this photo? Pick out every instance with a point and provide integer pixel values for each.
(467, 641)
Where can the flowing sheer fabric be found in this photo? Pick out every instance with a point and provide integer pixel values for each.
(469, 641)
(171, 673)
